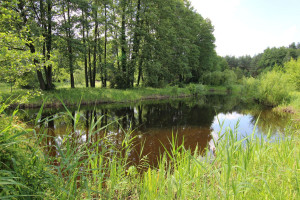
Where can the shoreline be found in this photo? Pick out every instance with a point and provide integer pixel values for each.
(58, 104)
(96, 96)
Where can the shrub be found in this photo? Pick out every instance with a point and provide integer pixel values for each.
(293, 72)
(274, 88)
(229, 77)
(175, 90)
(196, 89)
(271, 88)
(216, 78)
(250, 86)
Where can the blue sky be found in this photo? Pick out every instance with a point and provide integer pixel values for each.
(247, 27)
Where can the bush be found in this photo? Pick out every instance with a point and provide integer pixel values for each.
(196, 89)
(293, 72)
(216, 78)
(250, 86)
(274, 88)
(229, 77)
(175, 90)
(271, 88)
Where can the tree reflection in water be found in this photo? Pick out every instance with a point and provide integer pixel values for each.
(154, 123)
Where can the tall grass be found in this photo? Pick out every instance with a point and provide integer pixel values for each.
(106, 95)
(24, 173)
(252, 168)
(83, 167)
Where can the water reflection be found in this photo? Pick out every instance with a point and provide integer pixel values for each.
(153, 123)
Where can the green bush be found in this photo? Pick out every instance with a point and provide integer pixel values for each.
(250, 86)
(271, 88)
(293, 72)
(274, 88)
(175, 90)
(216, 78)
(229, 77)
(196, 90)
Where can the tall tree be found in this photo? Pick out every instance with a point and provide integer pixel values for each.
(37, 14)
(66, 13)
(84, 28)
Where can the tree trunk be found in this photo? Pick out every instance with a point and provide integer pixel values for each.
(123, 47)
(85, 57)
(90, 65)
(48, 71)
(136, 45)
(40, 77)
(140, 71)
(105, 51)
(95, 48)
(70, 50)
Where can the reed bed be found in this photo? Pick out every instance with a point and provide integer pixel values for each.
(74, 167)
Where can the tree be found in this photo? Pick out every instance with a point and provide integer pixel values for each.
(17, 52)
(67, 25)
(125, 42)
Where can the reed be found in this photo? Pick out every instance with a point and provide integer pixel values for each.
(248, 168)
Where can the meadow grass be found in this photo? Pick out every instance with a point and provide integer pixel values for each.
(35, 98)
(250, 168)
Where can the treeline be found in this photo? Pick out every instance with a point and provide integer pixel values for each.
(230, 70)
(263, 62)
(120, 43)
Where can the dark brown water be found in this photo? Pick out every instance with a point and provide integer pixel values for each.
(153, 123)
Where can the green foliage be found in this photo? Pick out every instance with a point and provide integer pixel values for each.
(79, 77)
(272, 56)
(16, 60)
(275, 87)
(227, 77)
(263, 62)
(216, 78)
(271, 88)
(239, 73)
(250, 86)
(292, 69)
(196, 90)
(23, 171)
(174, 90)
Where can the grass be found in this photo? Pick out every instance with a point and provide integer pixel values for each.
(292, 107)
(34, 98)
(251, 168)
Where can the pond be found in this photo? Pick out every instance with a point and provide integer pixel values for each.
(197, 120)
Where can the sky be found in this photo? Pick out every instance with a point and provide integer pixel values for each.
(247, 27)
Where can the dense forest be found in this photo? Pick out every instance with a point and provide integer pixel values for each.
(120, 42)
(253, 66)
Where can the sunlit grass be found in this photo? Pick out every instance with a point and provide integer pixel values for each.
(104, 95)
(251, 168)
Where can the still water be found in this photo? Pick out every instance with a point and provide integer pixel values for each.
(154, 122)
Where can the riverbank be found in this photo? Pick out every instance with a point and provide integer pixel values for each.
(25, 98)
(237, 169)
(93, 96)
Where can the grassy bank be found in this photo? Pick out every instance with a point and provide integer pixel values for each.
(253, 168)
(102, 95)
